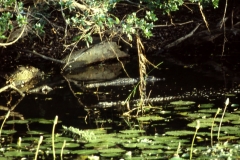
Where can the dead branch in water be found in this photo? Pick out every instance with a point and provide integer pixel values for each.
(11, 86)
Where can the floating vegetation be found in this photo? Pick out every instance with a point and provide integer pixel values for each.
(207, 122)
(150, 118)
(16, 121)
(230, 117)
(110, 155)
(102, 145)
(85, 152)
(147, 137)
(57, 139)
(7, 132)
(182, 108)
(133, 131)
(86, 135)
(210, 110)
(180, 133)
(152, 151)
(127, 135)
(230, 95)
(129, 145)
(205, 106)
(44, 121)
(197, 115)
(36, 132)
(67, 145)
(18, 154)
(164, 112)
(228, 138)
(182, 103)
(235, 106)
(235, 122)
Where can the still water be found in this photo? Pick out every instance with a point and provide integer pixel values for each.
(77, 106)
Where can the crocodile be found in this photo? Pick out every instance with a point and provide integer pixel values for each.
(122, 82)
(205, 94)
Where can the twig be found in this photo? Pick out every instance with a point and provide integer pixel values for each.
(204, 18)
(224, 28)
(45, 57)
(175, 24)
(16, 89)
(182, 38)
(70, 87)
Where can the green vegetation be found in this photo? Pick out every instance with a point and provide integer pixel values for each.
(88, 17)
(132, 143)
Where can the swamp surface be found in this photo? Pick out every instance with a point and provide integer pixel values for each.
(166, 128)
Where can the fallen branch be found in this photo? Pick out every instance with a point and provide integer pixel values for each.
(45, 57)
(182, 38)
(11, 86)
(175, 24)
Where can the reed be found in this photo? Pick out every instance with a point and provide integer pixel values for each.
(197, 127)
(213, 124)
(63, 146)
(53, 136)
(5, 118)
(38, 146)
(220, 124)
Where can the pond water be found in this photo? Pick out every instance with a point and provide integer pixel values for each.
(165, 130)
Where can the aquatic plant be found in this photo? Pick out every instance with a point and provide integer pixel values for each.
(53, 136)
(220, 124)
(197, 127)
(80, 134)
(5, 118)
(64, 144)
(38, 146)
(213, 125)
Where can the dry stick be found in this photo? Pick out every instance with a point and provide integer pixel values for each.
(232, 26)
(204, 18)
(224, 28)
(65, 31)
(67, 62)
(220, 124)
(45, 57)
(118, 59)
(188, 8)
(70, 87)
(182, 38)
(16, 89)
(175, 24)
